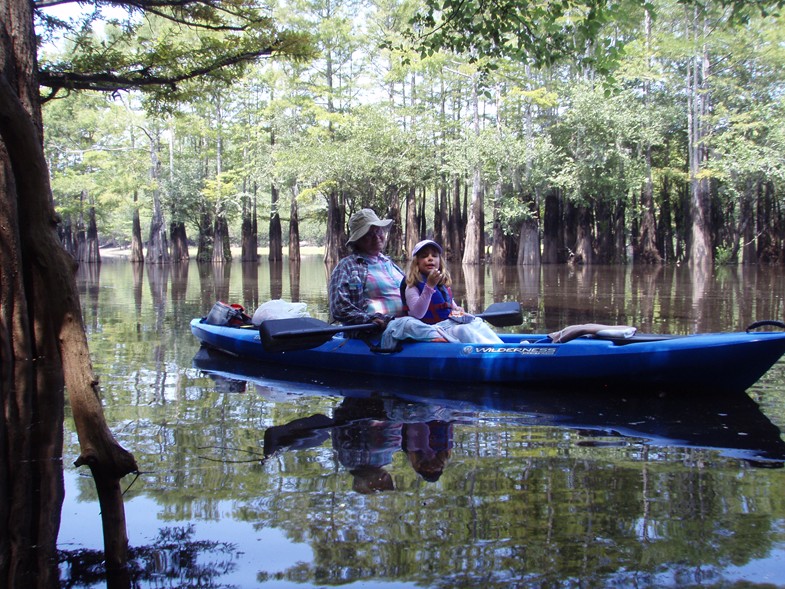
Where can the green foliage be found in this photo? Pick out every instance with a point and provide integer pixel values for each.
(372, 116)
(93, 160)
(599, 135)
(539, 33)
(160, 46)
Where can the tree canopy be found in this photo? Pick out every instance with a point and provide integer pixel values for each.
(158, 45)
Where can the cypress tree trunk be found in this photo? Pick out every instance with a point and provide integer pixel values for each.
(157, 244)
(395, 244)
(204, 251)
(137, 254)
(294, 229)
(276, 235)
(250, 252)
(221, 251)
(455, 223)
(335, 240)
(440, 214)
(92, 254)
(34, 324)
(179, 242)
(584, 254)
(553, 244)
(474, 247)
(411, 230)
(700, 248)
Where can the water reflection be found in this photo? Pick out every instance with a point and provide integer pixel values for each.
(730, 423)
(525, 489)
(365, 433)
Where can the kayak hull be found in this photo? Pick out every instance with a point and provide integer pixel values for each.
(719, 361)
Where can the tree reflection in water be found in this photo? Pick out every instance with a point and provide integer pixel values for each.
(173, 560)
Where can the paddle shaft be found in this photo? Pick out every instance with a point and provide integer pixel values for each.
(493, 317)
(328, 330)
(308, 332)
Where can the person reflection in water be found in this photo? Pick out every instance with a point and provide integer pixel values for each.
(365, 434)
(365, 443)
(428, 447)
(362, 435)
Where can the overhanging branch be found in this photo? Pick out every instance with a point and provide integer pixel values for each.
(112, 82)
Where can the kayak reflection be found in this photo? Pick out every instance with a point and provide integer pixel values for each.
(377, 417)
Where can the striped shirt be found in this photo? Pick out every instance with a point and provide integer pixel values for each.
(380, 294)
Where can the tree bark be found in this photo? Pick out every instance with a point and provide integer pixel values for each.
(250, 250)
(440, 210)
(499, 254)
(455, 229)
(647, 238)
(529, 243)
(411, 230)
(474, 248)
(92, 253)
(395, 243)
(276, 233)
(157, 244)
(294, 229)
(584, 253)
(221, 251)
(553, 244)
(179, 242)
(335, 245)
(137, 247)
(204, 246)
(700, 247)
(49, 329)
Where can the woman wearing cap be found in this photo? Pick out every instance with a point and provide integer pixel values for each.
(365, 285)
(428, 297)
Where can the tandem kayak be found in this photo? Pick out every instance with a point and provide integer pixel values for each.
(715, 361)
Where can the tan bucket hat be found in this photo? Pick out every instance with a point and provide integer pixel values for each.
(362, 221)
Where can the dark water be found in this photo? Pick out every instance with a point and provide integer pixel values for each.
(254, 477)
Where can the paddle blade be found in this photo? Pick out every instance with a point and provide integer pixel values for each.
(300, 333)
(504, 314)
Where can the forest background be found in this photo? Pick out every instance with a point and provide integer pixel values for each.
(661, 138)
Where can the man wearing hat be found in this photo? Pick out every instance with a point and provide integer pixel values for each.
(365, 285)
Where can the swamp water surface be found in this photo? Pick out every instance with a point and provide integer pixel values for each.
(256, 477)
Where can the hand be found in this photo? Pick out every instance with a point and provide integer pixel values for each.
(381, 320)
(434, 276)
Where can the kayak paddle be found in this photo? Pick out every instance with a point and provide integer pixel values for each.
(304, 333)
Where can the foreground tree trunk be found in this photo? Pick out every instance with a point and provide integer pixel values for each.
(49, 329)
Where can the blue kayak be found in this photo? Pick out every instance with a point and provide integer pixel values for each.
(716, 361)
